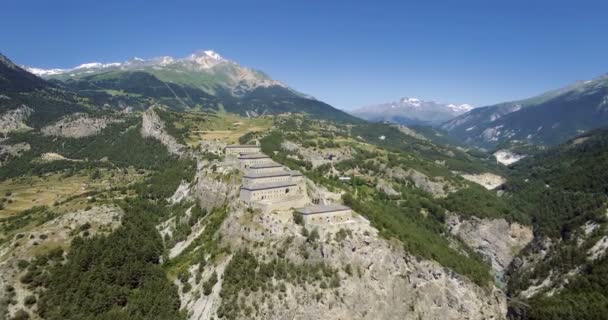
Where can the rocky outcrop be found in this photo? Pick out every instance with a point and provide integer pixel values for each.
(438, 186)
(14, 119)
(382, 281)
(319, 156)
(153, 126)
(487, 180)
(386, 187)
(507, 157)
(8, 151)
(214, 185)
(182, 192)
(495, 239)
(77, 125)
(212, 146)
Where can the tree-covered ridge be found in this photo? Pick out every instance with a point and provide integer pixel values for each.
(563, 187)
(547, 119)
(116, 276)
(20, 88)
(111, 143)
(564, 191)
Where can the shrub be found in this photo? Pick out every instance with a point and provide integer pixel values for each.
(21, 315)
(29, 300)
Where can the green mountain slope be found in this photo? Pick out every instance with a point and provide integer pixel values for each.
(548, 119)
(19, 89)
(564, 192)
(201, 81)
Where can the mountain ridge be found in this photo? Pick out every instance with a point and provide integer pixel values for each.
(203, 80)
(546, 119)
(412, 111)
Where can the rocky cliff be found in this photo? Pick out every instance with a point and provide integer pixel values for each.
(374, 278)
(14, 119)
(153, 126)
(364, 277)
(497, 240)
(77, 125)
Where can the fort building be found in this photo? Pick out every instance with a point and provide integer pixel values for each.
(238, 149)
(253, 159)
(282, 175)
(325, 214)
(268, 191)
(270, 166)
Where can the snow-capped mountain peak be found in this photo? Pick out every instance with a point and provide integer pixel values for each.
(97, 65)
(237, 78)
(411, 101)
(213, 54)
(44, 72)
(409, 110)
(204, 59)
(461, 107)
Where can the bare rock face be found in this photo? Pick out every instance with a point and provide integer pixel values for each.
(383, 281)
(438, 187)
(496, 239)
(386, 187)
(214, 192)
(507, 157)
(8, 151)
(212, 146)
(77, 125)
(321, 194)
(14, 119)
(487, 180)
(153, 126)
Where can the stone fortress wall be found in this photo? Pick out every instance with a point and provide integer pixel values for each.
(269, 186)
(236, 150)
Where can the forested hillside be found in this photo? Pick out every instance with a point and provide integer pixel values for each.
(564, 192)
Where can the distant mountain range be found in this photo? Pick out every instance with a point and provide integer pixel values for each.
(220, 73)
(20, 89)
(412, 111)
(201, 81)
(547, 119)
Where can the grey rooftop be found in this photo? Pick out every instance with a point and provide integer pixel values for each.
(322, 208)
(242, 146)
(256, 175)
(266, 165)
(271, 185)
(253, 156)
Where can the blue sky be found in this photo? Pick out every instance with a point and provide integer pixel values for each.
(347, 53)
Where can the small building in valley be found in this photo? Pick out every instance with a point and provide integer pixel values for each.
(325, 214)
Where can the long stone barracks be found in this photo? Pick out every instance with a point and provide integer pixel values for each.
(325, 214)
(266, 184)
(269, 186)
(238, 149)
(253, 159)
